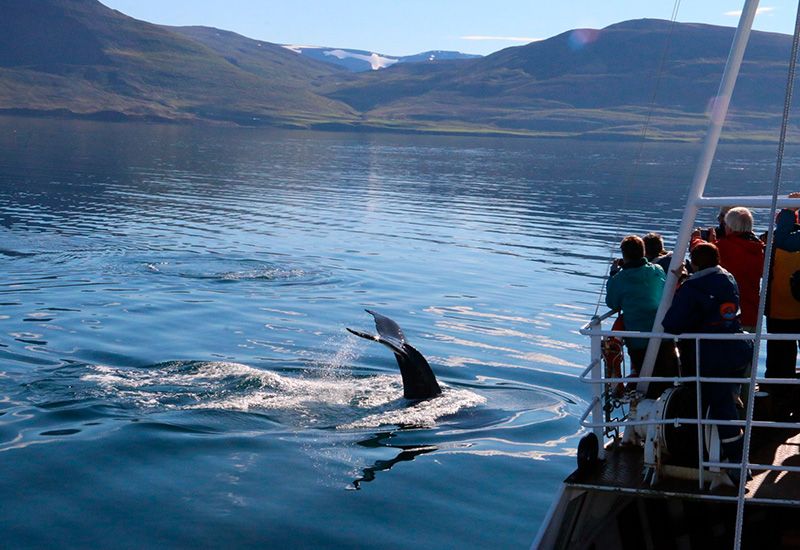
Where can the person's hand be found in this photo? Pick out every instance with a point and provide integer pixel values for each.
(680, 271)
(711, 234)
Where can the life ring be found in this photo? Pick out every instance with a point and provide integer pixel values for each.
(612, 350)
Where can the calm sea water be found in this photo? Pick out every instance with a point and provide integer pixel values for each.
(174, 365)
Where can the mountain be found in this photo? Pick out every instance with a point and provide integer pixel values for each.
(80, 58)
(260, 58)
(362, 60)
(584, 82)
(436, 56)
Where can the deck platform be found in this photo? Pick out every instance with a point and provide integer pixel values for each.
(623, 469)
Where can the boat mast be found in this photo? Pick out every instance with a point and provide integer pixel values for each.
(719, 110)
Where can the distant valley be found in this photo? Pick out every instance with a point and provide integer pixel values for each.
(362, 60)
(78, 58)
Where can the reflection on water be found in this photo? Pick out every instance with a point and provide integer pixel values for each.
(381, 440)
(172, 320)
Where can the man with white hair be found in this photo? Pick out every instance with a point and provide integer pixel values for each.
(742, 254)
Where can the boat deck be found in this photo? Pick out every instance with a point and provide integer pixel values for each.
(622, 471)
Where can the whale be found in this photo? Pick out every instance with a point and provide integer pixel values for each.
(419, 382)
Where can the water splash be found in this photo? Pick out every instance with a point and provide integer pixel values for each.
(330, 399)
(265, 273)
(225, 269)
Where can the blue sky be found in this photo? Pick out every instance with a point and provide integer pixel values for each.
(403, 27)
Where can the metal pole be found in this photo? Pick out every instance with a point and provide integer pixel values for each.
(597, 389)
(719, 110)
(748, 429)
(700, 428)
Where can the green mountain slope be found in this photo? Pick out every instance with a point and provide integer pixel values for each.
(81, 58)
(262, 59)
(585, 82)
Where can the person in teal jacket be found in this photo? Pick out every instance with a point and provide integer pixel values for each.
(636, 290)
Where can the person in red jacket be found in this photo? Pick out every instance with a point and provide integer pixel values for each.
(742, 254)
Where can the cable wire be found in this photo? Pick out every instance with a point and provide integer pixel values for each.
(642, 140)
(748, 430)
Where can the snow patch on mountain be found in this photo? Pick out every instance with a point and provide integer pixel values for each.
(376, 61)
(299, 49)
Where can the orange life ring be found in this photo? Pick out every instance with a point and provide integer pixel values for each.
(612, 350)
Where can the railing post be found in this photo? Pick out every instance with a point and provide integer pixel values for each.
(701, 469)
(597, 387)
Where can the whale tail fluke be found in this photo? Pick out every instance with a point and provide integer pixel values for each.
(419, 382)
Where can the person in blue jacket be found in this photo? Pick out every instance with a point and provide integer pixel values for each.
(708, 302)
(636, 291)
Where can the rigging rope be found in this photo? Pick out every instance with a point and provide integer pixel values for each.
(765, 279)
(642, 140)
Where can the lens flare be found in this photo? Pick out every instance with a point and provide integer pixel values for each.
(582, 37)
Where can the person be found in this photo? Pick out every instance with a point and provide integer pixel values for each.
(721, 231)
(708, 302)
(741, 253)
(636, 290)
(714, 234)
(783, 302)
(654, 251)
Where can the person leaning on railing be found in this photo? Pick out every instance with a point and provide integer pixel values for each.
(783, 306)
(708, 302)
(636, 290)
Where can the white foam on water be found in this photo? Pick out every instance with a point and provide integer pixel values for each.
(422, 414)
(328, 397)
(225, 269)
(270, 274)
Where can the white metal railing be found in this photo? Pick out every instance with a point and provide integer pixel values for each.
(595, 375)
(754, 201)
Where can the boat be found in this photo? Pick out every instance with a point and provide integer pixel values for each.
(650, 472)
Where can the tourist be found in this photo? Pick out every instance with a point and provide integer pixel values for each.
(708, 302)
(714, 234)
(721, 232)
(783, 304)
(741, 253)
(654, 251)
(636, 290)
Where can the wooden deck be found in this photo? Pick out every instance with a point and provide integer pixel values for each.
(622, 471)
(781, 449)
